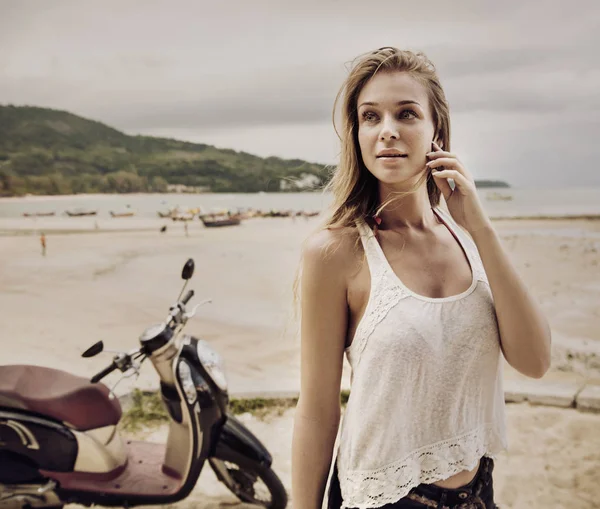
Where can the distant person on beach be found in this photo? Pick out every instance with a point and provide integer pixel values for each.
(408, 278)
(43, 243)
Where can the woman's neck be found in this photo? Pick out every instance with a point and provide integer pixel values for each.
(409, 211)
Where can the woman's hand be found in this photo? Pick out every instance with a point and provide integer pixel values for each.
(463, 202)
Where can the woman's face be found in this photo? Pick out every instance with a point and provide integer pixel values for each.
(395, 128)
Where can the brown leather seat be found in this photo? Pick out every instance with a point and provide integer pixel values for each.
(59, 395)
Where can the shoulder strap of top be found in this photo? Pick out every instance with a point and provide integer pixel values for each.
(467, 243)
(377, 265)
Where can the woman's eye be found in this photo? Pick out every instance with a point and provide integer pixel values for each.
(369, 116)
(408, 114)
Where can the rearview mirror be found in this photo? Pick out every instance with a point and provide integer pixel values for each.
(95, 349)
(188, 269)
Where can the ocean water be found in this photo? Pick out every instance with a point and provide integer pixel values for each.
(524, 202)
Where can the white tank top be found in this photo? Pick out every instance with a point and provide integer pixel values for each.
(426, 399)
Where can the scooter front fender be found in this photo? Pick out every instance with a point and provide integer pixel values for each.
(236, 439)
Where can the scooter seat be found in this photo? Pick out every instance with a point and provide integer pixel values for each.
(59, 395)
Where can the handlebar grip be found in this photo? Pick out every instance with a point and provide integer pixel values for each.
(106, 371)
(188, 296)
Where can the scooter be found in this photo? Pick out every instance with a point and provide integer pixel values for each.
(60, 441)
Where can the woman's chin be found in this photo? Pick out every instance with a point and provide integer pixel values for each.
(397, 178)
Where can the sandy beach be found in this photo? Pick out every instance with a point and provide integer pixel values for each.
(109, 280)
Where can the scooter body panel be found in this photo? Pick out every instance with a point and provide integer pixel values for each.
(26, 438)
(236, 439)
(231, 434)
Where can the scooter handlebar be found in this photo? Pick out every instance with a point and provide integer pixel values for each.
(106, 371)
(187, 297)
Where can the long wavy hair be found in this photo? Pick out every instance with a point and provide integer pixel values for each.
(353, 187)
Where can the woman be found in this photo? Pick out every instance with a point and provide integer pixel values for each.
(423, 300)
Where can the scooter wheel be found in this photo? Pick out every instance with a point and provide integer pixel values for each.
(251, 482)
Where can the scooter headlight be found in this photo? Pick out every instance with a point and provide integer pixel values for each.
(187, 382)
(213, 363)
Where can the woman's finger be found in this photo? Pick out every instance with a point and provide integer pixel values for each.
(441, 153)
(443, 185)
(459, 179)
(444, 161)
(453, 164)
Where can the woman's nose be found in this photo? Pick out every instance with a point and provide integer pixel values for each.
(389, 130)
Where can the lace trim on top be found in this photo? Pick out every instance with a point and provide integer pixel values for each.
(386, 288)
(366, 489)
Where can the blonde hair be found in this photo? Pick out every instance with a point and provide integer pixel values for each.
(353, 187)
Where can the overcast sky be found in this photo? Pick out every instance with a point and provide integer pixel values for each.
(522, 77)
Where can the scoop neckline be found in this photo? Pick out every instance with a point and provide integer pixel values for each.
(449, 298)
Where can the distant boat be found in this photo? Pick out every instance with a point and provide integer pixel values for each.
(38, 214)
(278, 213)
(81, 212)
(179, 213)
(128, 213)
(213, 221)
(495, 196)
(182, 217)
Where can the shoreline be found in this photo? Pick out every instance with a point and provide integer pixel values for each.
(24, 226)
(57, 197)
(541, 205)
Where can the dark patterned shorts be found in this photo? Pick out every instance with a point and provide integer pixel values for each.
(478, 494)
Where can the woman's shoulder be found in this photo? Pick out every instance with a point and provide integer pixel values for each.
(334, 248)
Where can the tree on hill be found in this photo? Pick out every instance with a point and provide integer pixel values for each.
(45, 151)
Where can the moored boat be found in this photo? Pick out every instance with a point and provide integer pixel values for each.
(38, 214)
(80, 212)
(182, 216)
(215, 220)
(179, 213)
(127, 213)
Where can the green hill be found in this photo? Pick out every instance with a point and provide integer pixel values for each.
(45, 151)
